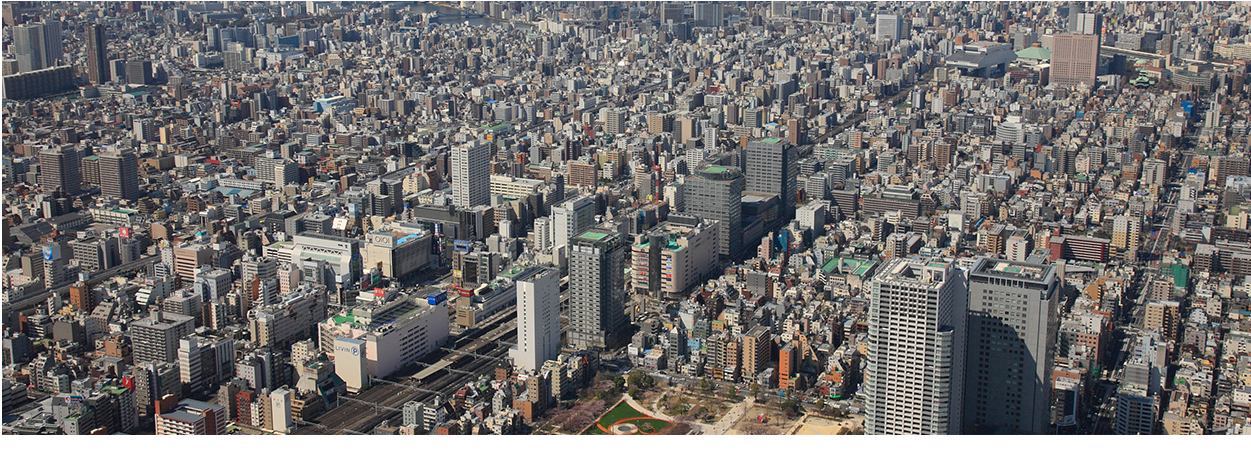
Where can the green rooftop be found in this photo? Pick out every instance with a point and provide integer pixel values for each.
(716, 169)
(593, 236)
(345, 318)
(771, 140)
(1034, 53)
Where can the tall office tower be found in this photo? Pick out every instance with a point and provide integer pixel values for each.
(97, 55)
(139, 72)
(28, 47)
(1074, 16)
(538, 320)
(59, 169)
(1087, 23)
(471, 179)
(571, 218)
(155, 339)
(709, 14)
(614, 121)
(670, 12)
(772, 169)
(716, 193)
(596, 277)
(915, 376)
(119, 175)
(890, 27)
(1074, 59)
(53, 42)
(1012, 327)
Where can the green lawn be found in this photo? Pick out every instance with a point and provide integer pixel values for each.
(622, 411)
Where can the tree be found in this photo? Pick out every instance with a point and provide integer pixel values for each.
(635, 379)
(619, 383)
(678, 427)
(634, 391)
(758, 429)
(755, 388)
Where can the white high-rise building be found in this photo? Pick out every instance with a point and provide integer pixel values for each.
(914, 380)
(538, 320)
(471, 174)
(572, 218)
(542, 234)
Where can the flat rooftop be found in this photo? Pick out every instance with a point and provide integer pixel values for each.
(1008, 269)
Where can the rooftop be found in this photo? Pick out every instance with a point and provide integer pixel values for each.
(1007, 269)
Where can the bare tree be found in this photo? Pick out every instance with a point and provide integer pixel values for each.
(678, 428)
(759, 429)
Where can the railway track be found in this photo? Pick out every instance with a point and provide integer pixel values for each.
(361, 413)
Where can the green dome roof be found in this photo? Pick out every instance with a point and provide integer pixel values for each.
(1034, 53)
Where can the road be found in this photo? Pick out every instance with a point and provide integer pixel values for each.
(36, 299)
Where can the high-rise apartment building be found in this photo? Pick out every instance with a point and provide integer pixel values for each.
(773, 169)
(1074, 59)
(97, 55)
(1012, 325)
(614, 121)
(914, 380)
(538, 320)
(119, 175)
(597, 281)
(155, 339)
(471, 178)
(716, 193)
(59, 169)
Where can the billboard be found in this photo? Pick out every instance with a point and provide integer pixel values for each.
(380, 292)
(125, 232)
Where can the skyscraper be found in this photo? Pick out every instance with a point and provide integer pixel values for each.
(471, 179)
(1012, 327)
(1074, 59)
(597, 263)
(97, 55)
(28, 47)
(716, 193)
(119, 175)
(59, 169)
(709, 14)
(53, 42)
(139, 72)
(538, 319)
(914, 378)
(571, 218)
(890, 27)
(772, 169)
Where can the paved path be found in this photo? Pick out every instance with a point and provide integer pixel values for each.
(730, 418)
(639, 407)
